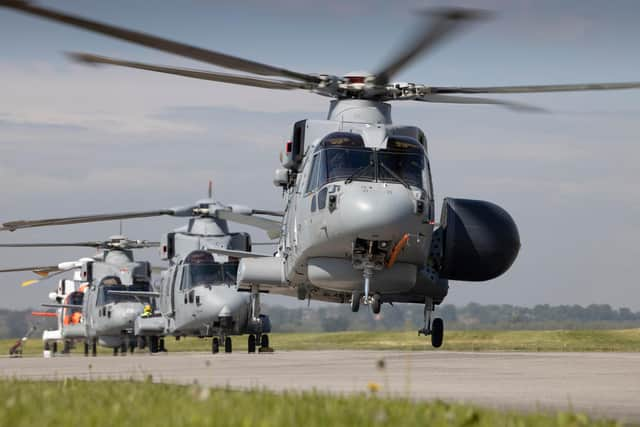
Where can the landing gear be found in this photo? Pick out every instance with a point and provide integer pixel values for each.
(215, 345)
(94, 347)
(86, 349)
(437, 332)
(251, 344)
(435, 329)
(264, 342)
(355, 301)
(123, 346)
(115, 351)
(141, 342)
(67, 347)
(161, 346)
(227, 345)
(54, 348)
(376, 304)
(153, 344)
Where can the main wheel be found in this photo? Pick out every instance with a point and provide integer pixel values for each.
(115, 351)
(54, 348)
(86, 349)
(251, 344)
(142, 342)
(123, 347)
(94, 347)
(264, 341)
(215, 345)
(355, 303)
(437, 332)
(153, 344)
(162, 348)
(376, 304)
(227, 345)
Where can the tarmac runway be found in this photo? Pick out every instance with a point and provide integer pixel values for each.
(601, 384)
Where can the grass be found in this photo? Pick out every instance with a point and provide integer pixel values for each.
(560, 340)
(70, 403)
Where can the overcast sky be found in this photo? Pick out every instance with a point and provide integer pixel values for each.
(77, 139)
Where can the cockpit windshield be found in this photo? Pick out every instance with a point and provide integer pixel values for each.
(200, 269)
(109, 284)
(343, 157)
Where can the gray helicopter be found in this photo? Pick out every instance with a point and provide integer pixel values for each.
(360, 218)
(106, 315)
(197, 294)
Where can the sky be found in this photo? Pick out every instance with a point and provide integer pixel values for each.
(80, 140)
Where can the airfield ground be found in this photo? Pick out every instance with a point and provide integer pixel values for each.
(592, 372)
(599, 384)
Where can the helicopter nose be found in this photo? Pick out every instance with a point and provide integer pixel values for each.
(376, 212)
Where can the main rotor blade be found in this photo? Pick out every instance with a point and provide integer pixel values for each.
(445, 22)
(270, 226)
(447, 99)
(15, 225)
(51, 245)
(87, 58)
(39, 270)
(159, 43)
(535, 88)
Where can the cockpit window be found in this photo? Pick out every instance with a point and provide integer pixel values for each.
(341, 139)
(211, 274)
(105, 296)
(342, 156)
(401, 167)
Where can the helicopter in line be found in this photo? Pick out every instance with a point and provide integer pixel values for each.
(70, 329)
(359, 225)
(90, 306)
(197, 293)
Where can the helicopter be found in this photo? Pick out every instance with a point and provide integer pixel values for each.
(197, 294)
(359, 223)
(68, 292)
(97, 312)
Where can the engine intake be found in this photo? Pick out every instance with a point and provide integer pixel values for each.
(480, 240)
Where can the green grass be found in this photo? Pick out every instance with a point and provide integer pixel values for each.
(74, 403)
(562, 340)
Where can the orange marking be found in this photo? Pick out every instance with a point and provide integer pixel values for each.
(397, 249)
(43, 314)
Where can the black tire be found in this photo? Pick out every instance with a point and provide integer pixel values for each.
(94, 348)
(162, 348)
(86, 349)
(115, 351)
(376, 304)
(264, 341)
(215, 345)
(355, 304)
(227, 345)
(124, 346)
(437, 332)
(251, 344)
(153, 344)
(54, 348)
(141, 342)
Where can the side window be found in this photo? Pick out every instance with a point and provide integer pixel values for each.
(184, 283)
(428, 185)
(312, 182)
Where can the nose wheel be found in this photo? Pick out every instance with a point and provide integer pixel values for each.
(434, 328)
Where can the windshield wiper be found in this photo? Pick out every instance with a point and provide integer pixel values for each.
(395, 175)
(357, 173)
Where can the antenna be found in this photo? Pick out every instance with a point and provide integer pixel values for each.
(120, 234)
(210, 189)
